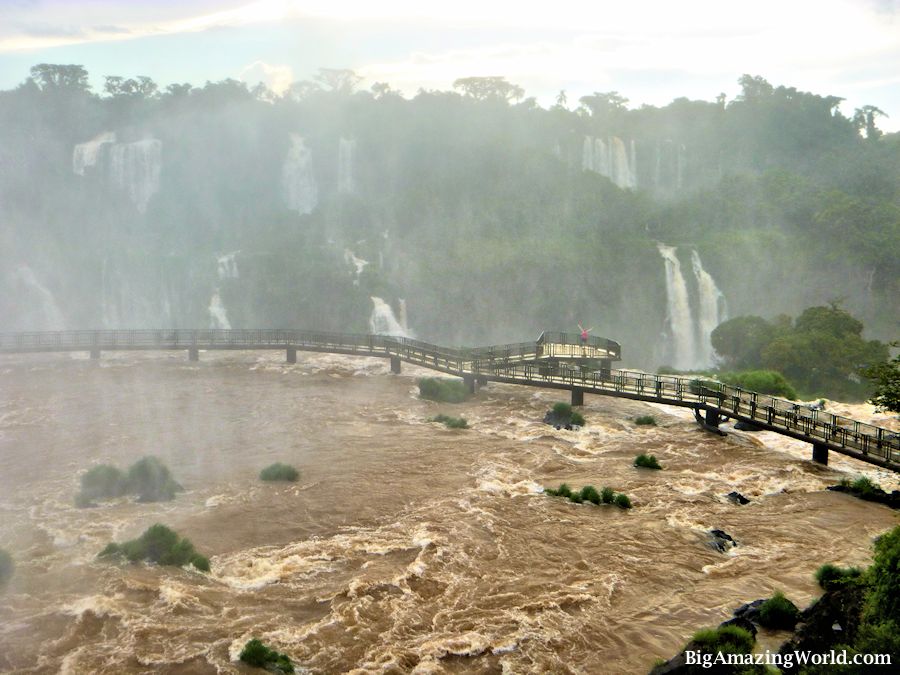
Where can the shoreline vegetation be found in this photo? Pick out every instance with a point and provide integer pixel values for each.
(443, 390)
(590, 494)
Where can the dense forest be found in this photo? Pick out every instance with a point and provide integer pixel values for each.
(492, 217)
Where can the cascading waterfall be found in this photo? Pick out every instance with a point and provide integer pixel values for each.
(346, 150)
(404, 323)
(226, 266)
(44, 313)
(681, 325)
(218, 316)
(713, 310)
(611, 159)
(86, 155)
(358, 264)
(384, 322)
(298, 182)
(135, 169)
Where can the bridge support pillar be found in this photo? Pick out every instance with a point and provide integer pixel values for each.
(577, 396)
(395, 365)
(95, 353)
(193, 354)
(469, 381)
(713, 419)
(481, 380)
(291, 355)
(605, 369)
(820, 453)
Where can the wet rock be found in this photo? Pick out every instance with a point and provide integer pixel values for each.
(558, 421)
(873, 494)
(678, 665)
(721, 540)
(743, 622)
(746, 426)
(749, 612)
(737, 498)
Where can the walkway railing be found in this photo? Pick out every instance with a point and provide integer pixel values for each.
(558, 360)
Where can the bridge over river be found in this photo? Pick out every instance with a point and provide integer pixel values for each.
(555, 360)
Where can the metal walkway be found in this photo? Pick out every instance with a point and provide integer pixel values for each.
(555, 360)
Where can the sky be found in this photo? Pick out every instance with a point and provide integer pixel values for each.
(650, 51)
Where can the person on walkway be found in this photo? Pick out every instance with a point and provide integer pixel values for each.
(584, 334)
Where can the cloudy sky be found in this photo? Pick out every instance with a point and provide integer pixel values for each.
(651, 51)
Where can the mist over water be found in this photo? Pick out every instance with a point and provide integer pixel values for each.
(404, 546)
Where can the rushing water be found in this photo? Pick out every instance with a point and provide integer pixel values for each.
(404, 546)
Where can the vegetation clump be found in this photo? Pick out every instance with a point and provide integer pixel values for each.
(561, 415)
(255, 653)
(6, 567)
(450, 422)
(590, 494)
(148, 478)
(762, 382)
(886, 378)
(161, 545)
(443, 390)
(724, 639)
(864, 488)
(646, 462)
(831, 577)
(645, 421)
(778, 612)
(279, 471)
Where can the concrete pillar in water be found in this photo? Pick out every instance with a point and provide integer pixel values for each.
(95, 353)
(395, 365)
(820, 453)
(193, 354)
(577, 396)
(712, 418)
(469, 381)
(291, 355)
(482, 380)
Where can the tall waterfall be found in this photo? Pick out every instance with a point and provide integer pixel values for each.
(41, 309)
(384, 322)
(88, 154)
(690, 324)
(346, 150)
(298, 182)
(713, 310)
(135, 168)
(226, 266)
(358, 264)
(218, 317)
(612, 159)
(681, 325)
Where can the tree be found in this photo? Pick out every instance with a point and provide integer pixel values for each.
(561, 99)
(142, 87)
(754, 88)
(489, 88)
(604, 104)
(740, 341)
(886, 377)
(864, 118)
(338, 80)
(49, 76)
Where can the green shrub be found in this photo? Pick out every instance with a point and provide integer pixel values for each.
(443, 389)
(279, 471)
(562, 409)
(725, 639)
(645, 421)
(577, 418)
(761, 381)
(101, 482)
(883, 601)
(607, 495)
(161, 545)
(255, 653)
(450, 422)
(864, 487)
(647, 462)
(564, 490)
(778, 612)
(831, 576)
(151, 481)
(622, 501)
(576, 497)
(6, 567)
(589, 494)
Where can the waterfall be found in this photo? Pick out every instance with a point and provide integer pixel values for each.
(404, 324)
(346, 150)
(135, 168)
(712, 310)
(681, 326)
(87, 154)
(42, 310)
(227, 266)
(298, 181)
(611, 159)
(358, 264)
(218, 317)
(384, 322)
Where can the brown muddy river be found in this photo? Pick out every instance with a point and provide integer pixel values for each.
(404, 547)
